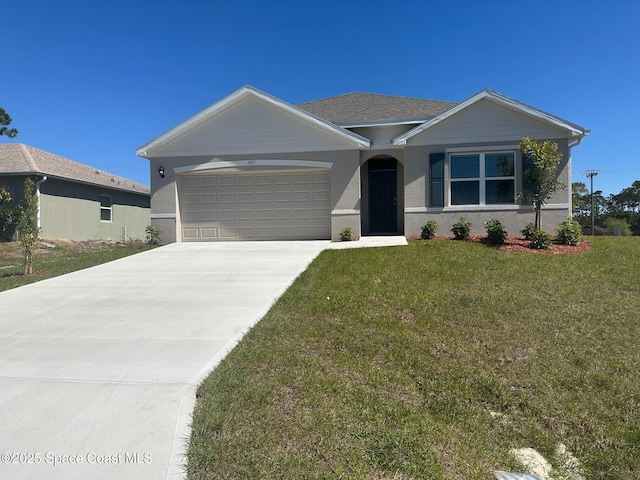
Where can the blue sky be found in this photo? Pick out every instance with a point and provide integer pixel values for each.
(92, 81)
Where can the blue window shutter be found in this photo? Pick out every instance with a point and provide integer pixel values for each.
(436, 179)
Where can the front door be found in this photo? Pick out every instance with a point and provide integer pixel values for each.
(383, 196)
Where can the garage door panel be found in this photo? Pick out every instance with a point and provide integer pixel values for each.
(302, 214)
(207, 181)
(190, 182)
(245, 181)
(190, 199)
(190, 216)
(283, 214)
(227, 215)
(302, 179)
(262, 180)
(226, 181)
(208, 215)
(208, 198)
(247, 214)
(280, 197)
(227, 197)
(246, 197)
(264, 197)
(190, 233)
(264, 214)
(209, 233)
(227, 233)
(320, 214)
(302, 196)
(282, 179)
(284, 205)
(321, 196)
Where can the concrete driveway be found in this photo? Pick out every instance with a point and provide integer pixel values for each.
(98, 368)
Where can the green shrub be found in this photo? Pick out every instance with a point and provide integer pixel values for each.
(540, 240)
(611, 224)
(496, 234)
(461, 229)
(346, 234)
(528, 231)
(569, 232)
(429, 230)
(153, 235)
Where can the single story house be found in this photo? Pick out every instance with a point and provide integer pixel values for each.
(76, 201)
(252, 166)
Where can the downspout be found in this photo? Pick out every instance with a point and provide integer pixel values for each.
(38, 183)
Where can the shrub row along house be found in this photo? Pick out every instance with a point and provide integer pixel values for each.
(76, 201)
(252, 166)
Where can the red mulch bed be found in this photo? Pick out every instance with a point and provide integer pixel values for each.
(519, 244)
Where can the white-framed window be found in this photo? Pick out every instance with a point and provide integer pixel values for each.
(106, 205)
(486, 178)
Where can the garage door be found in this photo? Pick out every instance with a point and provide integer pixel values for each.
(257, 206)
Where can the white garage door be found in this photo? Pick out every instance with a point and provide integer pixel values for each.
(257, 206)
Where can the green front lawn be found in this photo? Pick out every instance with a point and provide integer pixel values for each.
(60, 257)
(432, 361)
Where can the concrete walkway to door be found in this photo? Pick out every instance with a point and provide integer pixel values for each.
(98, 368)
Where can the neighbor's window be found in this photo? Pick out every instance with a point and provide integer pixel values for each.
(105, 208)
(482, 178)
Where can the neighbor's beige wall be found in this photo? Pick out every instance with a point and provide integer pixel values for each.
(79, 219)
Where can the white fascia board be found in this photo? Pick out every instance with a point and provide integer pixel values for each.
(227, 102)
(575, 130)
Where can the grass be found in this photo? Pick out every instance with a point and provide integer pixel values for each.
(63, 257)
(432, 361)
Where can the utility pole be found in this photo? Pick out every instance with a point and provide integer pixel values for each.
(591, 174)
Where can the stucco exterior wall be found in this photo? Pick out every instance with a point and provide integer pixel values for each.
(72, 211)
(513, 217)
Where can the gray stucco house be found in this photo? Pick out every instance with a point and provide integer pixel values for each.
(252, 166)
(76, 201)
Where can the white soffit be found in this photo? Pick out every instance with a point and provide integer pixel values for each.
(574, 130)
(147, 150)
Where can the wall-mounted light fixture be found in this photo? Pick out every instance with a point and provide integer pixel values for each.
(161, 172)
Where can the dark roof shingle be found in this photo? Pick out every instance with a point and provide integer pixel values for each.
(358, 107)
(23, 159)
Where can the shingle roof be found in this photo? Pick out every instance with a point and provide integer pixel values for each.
(358, 107)
(19, 158)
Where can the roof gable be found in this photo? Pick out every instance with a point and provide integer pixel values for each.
(363, 109)
(251, 121)
(18, 158)
(570, 129)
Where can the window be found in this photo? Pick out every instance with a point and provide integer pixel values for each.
(105, 208)
(482, 178)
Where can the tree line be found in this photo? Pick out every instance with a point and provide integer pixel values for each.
(616, 210)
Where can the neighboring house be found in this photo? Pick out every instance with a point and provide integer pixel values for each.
(252, 166)
(598, 231)
(76, 201)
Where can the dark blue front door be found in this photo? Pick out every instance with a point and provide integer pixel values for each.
(383, 196)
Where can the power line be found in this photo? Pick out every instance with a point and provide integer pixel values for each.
(586, 174)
